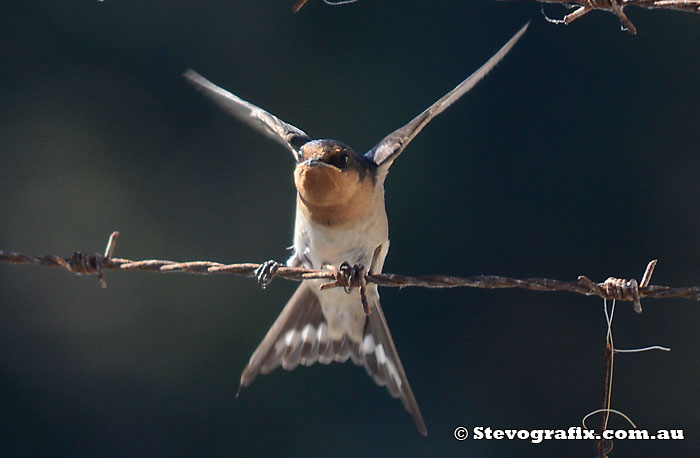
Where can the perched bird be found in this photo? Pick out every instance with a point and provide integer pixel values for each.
(340, 218)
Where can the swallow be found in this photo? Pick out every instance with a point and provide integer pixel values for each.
(340, 218)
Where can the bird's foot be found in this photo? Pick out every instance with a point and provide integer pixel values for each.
(350, 277)
(347, 276)
(266, 272)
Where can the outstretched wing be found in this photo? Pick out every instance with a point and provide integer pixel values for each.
(384, 153)
(300, 336)
(290, 136)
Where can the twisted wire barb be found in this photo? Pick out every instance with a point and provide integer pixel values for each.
(612, 288)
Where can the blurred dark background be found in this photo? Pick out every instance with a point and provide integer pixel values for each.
(577, 155)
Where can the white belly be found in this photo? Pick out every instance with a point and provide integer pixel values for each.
(316, 246)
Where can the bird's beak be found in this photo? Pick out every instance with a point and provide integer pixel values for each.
(313, 162)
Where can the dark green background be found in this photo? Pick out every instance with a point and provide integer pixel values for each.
(577, 155)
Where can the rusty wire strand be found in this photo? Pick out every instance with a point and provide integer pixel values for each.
(612, 288)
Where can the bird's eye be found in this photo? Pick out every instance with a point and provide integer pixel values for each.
(343, 160)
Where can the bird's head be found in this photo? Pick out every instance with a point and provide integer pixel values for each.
(333, 181)
(330, 173)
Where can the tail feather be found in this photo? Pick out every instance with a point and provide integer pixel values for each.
(300, 336)
(309, 345)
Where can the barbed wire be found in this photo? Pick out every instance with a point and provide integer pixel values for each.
(612, 288)
(583, 7)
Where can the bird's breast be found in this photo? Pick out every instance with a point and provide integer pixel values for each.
(319, 244)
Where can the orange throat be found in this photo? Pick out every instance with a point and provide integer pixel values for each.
(336, 216)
